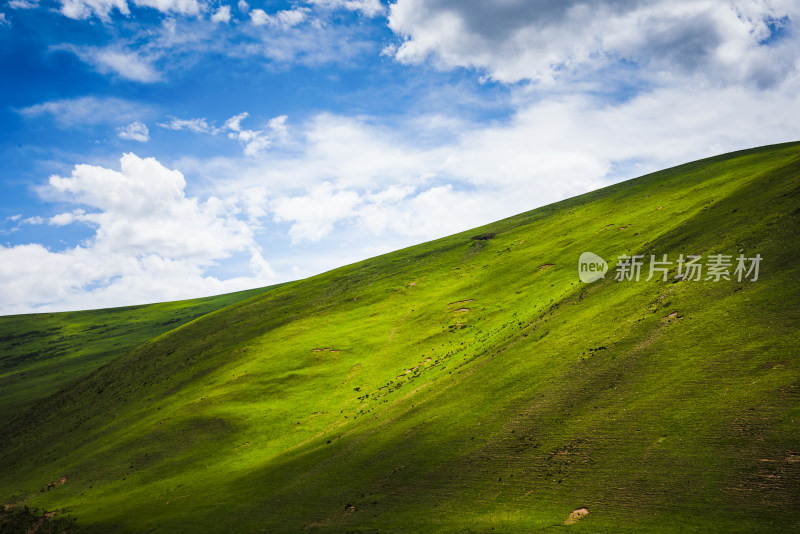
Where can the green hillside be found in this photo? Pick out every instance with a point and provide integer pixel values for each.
(470, 384)
(44, 352)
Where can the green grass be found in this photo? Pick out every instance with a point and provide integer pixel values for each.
(363, 400)
(44, 352)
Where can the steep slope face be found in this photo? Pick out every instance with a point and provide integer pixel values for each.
(467, 384)
(44, 352)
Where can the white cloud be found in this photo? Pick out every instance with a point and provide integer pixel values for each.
(278, 128)
(370, 8)
(243, 6)
(255, 141)
(259, 17)
(84, 9)
(222, 14)
(192, 125)
(514, 41)
(4, 20)
(135, 131)
(151, 243)
(126, 64)
(23, 4)
(283, 19)
(88, 110)
(182, 7)
(136, 66)
(150, 53)
(314, 214)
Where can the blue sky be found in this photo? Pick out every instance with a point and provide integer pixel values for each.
(162, 149)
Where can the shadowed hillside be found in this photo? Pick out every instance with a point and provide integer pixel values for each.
(44, 352)
(468, 384)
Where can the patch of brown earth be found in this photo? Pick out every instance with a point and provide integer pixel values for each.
(576, 515)
(463, 310)
(545, 266)
(460, 302)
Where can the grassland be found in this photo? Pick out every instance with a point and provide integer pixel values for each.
(470, 384)
(42, 353)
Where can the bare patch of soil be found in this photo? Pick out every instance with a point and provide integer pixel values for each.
(576, 515)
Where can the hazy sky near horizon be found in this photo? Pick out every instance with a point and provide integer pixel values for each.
(164, 149)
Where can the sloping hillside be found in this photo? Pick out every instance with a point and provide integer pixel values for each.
(469, 384)
(43, 352)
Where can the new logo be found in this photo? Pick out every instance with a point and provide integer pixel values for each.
(591, 267)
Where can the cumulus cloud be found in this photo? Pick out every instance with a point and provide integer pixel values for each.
(222, 14)
(135, 131)
(152, 242)
(4, 20)
(727, 42)
(314, 214)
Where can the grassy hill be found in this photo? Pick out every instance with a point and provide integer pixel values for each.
(470, 384)
(44, 352)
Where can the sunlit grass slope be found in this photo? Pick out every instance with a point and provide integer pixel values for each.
(469, 384)
(44, 352)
